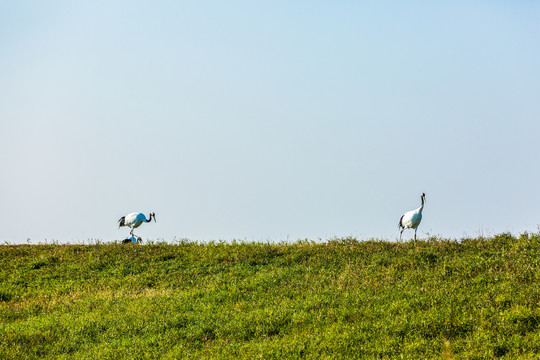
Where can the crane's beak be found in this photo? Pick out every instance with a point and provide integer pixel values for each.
(155, 218)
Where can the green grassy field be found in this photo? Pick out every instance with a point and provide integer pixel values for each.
(436, 299)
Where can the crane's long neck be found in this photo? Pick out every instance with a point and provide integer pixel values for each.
(419, 210)
(149, 218)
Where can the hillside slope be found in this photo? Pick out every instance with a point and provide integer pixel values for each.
(474, 299)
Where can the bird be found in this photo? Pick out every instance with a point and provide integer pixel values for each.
(411, 219)
(134, 220)
(132, 240)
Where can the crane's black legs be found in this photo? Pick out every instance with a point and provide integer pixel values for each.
(401, 232)
(130, 239)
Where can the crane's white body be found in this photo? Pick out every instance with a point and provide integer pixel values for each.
(411, 219)
(134, 220)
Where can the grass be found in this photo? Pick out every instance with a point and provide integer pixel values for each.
(436, 299)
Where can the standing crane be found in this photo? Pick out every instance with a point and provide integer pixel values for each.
(134, 220)
(411, 219)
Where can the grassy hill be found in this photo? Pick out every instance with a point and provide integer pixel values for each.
(474, 299)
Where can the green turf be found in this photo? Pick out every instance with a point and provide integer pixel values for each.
(468, 299)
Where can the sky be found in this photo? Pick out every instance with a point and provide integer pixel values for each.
(268, 120)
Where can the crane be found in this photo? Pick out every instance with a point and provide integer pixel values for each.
(134, 220)
(411, 219)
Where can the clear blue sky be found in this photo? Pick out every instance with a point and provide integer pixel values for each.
(268, 120)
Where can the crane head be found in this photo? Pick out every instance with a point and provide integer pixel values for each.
(153, 215)
(423, 196)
